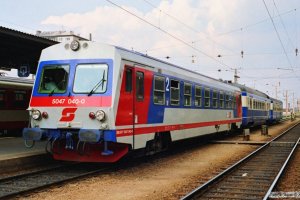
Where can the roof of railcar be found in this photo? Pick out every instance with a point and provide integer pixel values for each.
(155, 62)
(251, 90)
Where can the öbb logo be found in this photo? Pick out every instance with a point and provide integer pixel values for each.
(68, 114)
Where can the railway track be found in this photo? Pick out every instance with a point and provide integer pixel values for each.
(20, 184)
(11, 186)
(255, 176)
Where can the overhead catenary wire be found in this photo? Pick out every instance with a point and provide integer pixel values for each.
(277, 33)
(189, 27)
(167, 33)
(218, 35)
(283, 25)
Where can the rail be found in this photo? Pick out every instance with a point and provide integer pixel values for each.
(210, 189)
(19, 184)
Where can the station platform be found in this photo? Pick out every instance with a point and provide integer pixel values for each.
(14, 155)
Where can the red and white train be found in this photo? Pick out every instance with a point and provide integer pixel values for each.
(96, 102)
(14, 100)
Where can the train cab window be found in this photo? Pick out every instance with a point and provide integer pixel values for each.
(198, 96)
(207, 97)
(222, 99)
(2, 98)
(128, 80)
(175, 93)
(159, 90)
(90, 78)
(215, 99)
(139, 86)
(54, 79)
(187, 94)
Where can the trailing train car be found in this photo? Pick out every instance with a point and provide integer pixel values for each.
(276, 110)
(96, 102)
(258, 108)
(14, 100)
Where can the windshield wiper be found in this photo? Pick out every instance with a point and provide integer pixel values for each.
(101, 82)
(56, 87)
(52, 92)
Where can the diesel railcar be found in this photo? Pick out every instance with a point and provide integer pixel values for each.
(96, 102)
(258, 108)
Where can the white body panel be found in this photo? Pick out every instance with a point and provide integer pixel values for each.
(121, 57)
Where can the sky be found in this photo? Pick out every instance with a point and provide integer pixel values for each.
(206, 36)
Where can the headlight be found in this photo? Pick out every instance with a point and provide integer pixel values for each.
(36, 115)
(100, 115)
(75, 45)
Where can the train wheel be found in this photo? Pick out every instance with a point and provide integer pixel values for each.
(27, 145)
(48, 145)
(161, 142)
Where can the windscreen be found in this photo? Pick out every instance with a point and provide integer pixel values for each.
(54, 79)
(90, 78)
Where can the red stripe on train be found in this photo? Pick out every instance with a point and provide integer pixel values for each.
(77, 101)
(145, 130)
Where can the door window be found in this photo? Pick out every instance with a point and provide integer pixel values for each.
(139, 86)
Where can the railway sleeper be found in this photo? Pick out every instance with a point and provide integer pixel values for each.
(242, 189)
(222, 196)
(245, 186)
(248, 181)
(282, 144)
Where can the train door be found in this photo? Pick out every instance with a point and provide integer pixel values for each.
(133, 101)
(142, 79)
(239, 105)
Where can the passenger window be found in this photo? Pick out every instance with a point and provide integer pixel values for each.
(207, 97)
(2, 98)
(19, 100)
(175, 93)
(221, 99)
(233, 102)
(248, 102)
(198, 95)
(215, 99)
(230, 105)
(227, 101)
(187, 94)
(159, 90)
(128, 80)
(139, 86)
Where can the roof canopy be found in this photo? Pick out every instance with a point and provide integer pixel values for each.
(20, 49)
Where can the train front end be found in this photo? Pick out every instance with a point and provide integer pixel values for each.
(71, 103)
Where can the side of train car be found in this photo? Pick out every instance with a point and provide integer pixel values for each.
(276, 110)
(258, 108)
(104, 101)
(14, 100)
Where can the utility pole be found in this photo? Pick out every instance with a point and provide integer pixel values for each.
(286, 102)
(293, 104)
(235, 76)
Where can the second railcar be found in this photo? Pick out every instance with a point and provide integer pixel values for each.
(14, 100)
